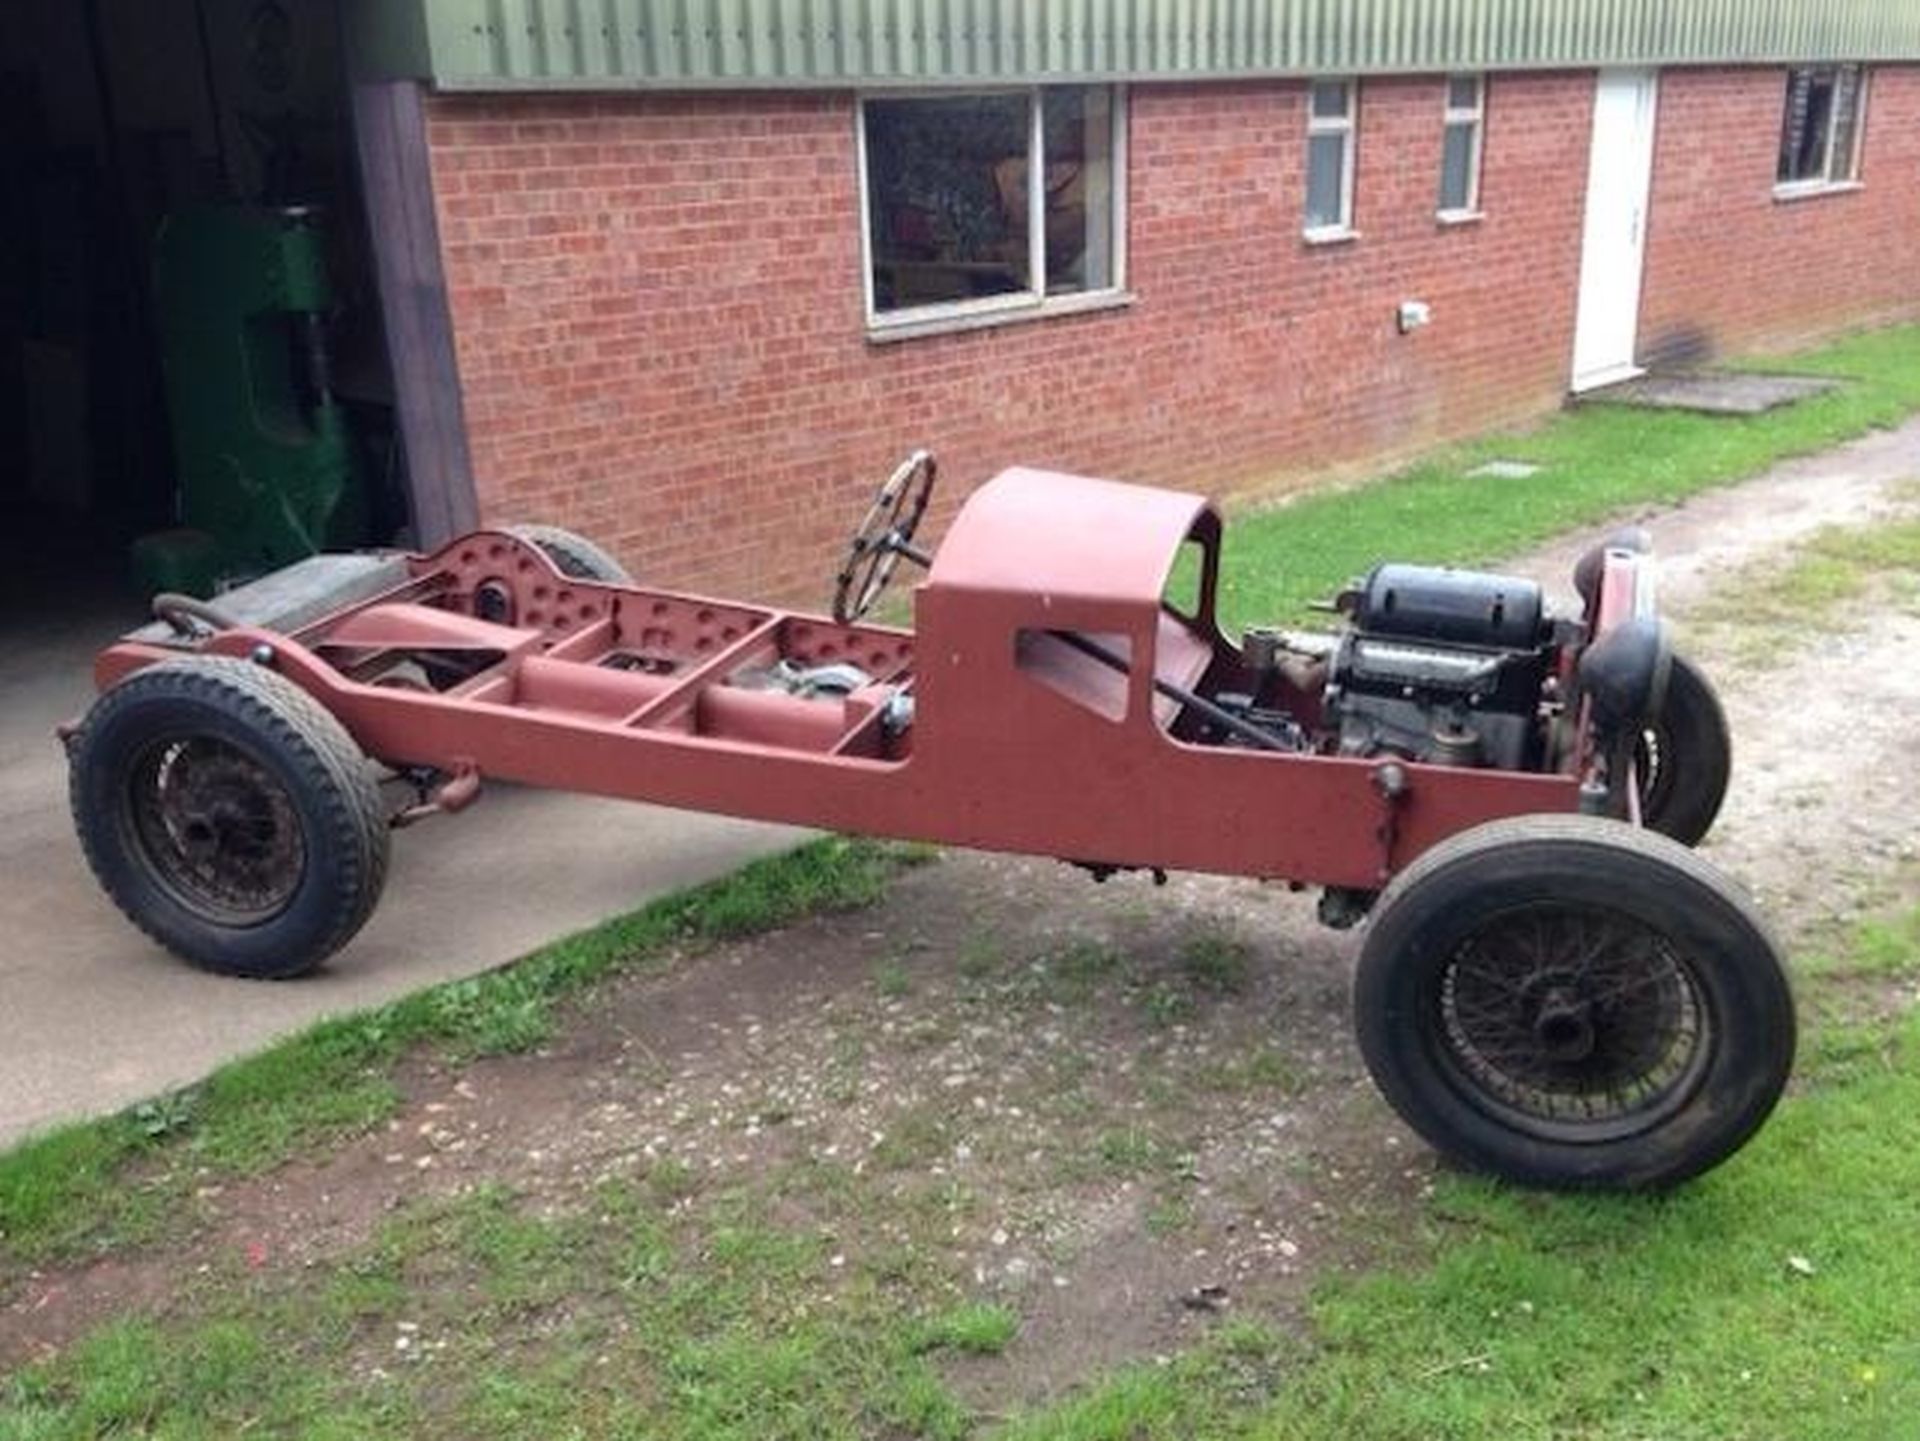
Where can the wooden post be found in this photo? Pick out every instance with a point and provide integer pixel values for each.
(389, 126)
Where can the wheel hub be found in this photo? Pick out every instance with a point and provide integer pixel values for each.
(1564, 1027)
(1576, 1015)
(226, 825)
(219, 829)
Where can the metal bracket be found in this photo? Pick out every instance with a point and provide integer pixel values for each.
(1390, 780)
(460, 789)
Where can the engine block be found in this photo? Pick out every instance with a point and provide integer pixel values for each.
(1443, 666)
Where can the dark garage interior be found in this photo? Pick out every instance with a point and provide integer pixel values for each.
(193, 384)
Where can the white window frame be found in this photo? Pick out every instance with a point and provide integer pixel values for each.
(1452, 115)
(1826, 182)
(1348, 127)
(1018, 305)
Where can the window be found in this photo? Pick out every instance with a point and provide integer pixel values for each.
(1330, 127)
(1820, 134)
(1460, 145)
(1004, 200)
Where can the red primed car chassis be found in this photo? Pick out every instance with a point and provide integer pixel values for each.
(1018, 742)
(1050, 700)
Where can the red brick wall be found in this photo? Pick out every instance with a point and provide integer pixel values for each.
(657, 301)
(1728, 265)
(657, 304)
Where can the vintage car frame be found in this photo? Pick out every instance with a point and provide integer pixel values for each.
(1050, 700)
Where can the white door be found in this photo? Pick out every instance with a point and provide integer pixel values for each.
(1614, 239)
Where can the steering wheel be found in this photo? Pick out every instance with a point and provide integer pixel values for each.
(883, 537)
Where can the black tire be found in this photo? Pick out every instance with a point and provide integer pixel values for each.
(1567, 1002)
(1684, 758)
(575, 555)
(229, 816)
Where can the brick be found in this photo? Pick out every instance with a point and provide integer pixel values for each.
(1729, 266)
(657, 301)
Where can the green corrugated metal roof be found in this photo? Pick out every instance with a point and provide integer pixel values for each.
(616, 44)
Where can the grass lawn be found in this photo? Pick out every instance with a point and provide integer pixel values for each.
(1773, 1298)
(1594, 461)
(471, 1318)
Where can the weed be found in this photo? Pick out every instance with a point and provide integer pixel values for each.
(1129, 1151)
(1215, 964)
(890, 978)
(1266, 1069)
(1169, 1215)
(1167, 1005)
(165, 1115)
(918, 1135)
(1889, 947)
(1078, 970)
(1837, 567)
(975, 1329)
(670, 1179)
(981, 954)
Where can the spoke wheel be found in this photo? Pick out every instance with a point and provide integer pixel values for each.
(1569, 1002)
(1574, 1021)
(218, 829)
(229, 816)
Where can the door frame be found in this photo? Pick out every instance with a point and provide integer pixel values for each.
(1614, 369)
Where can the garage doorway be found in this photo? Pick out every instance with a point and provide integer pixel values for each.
(187, 296)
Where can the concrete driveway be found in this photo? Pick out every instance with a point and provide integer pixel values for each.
(94, 1017)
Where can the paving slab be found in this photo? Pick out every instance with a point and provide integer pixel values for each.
(94, 1017)
(1710, 392)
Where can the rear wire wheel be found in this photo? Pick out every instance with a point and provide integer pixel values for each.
(229, 815)
(573, 555)
(1684, 758)
(1565, 1002)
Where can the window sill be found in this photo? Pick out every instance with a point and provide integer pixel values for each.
(1814, 190)
(1330, 235)
(910, 327)
(1448, 219)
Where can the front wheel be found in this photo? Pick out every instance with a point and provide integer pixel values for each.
(1684, 757)
(229, 815)
(1565, 1002)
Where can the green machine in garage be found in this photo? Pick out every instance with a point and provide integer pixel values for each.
(261, 446)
